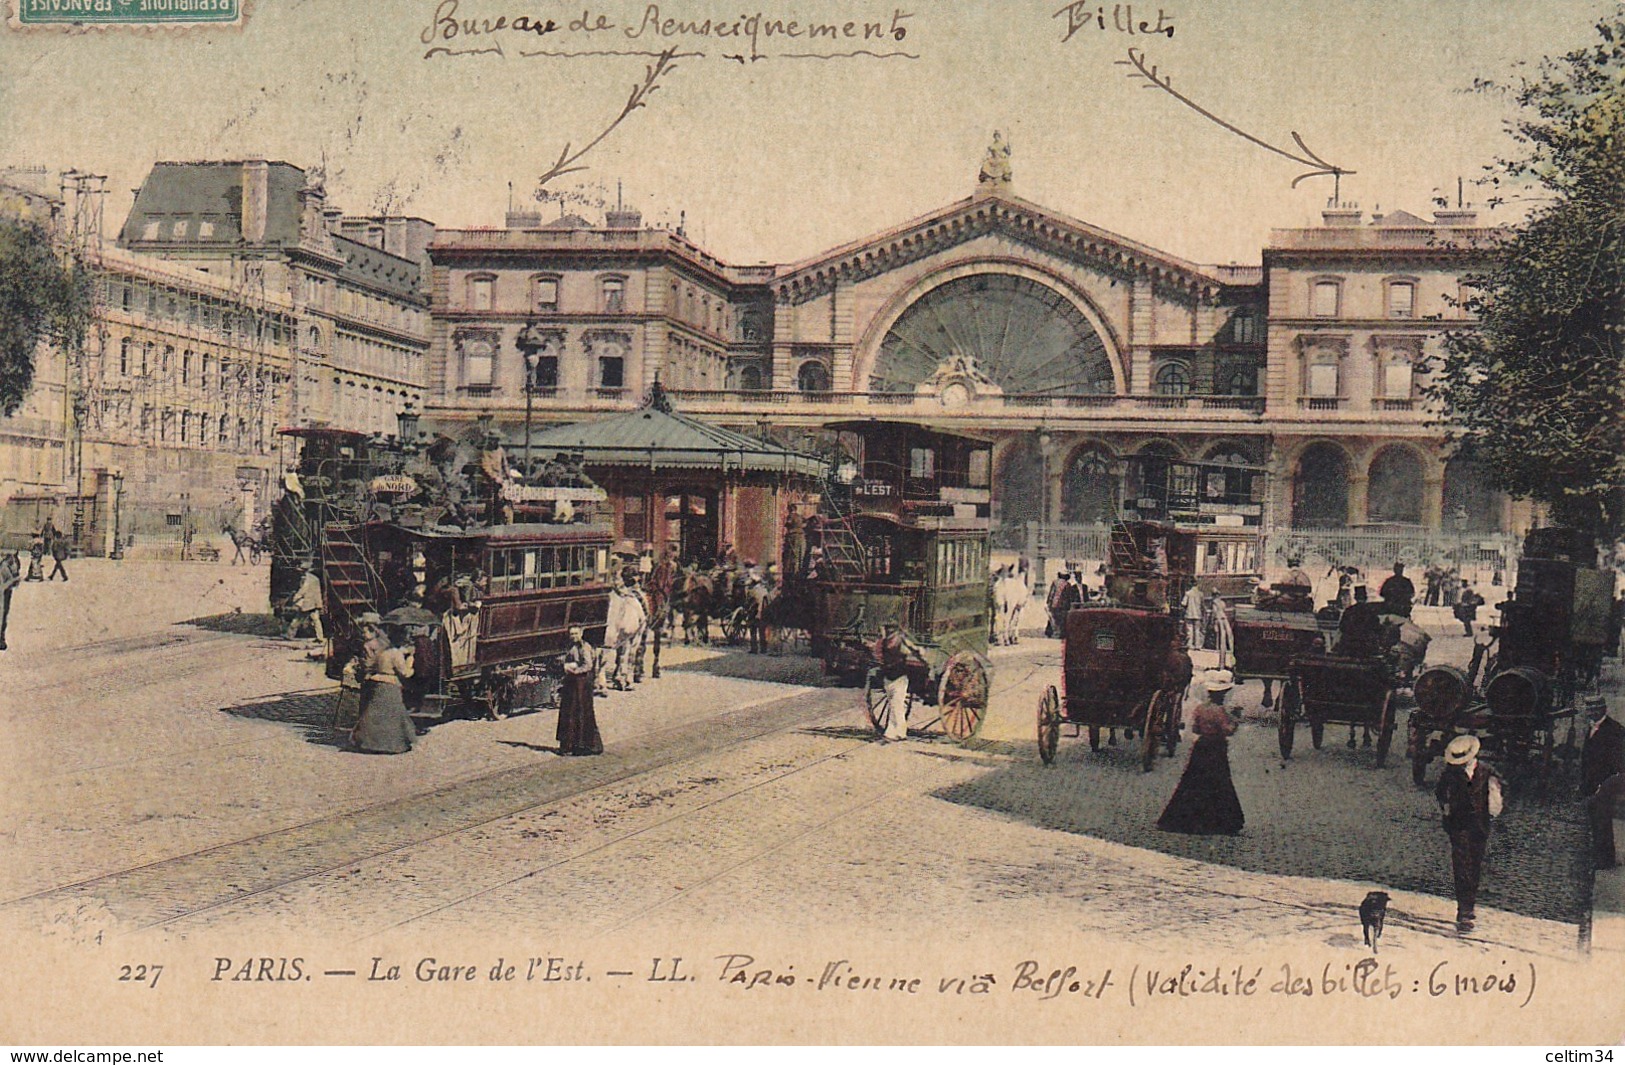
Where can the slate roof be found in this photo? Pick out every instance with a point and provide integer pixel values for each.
(654, 439)
(211, 192)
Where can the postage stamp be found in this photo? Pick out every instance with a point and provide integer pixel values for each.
(125, 12)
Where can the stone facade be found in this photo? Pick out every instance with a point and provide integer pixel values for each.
(1073, 347)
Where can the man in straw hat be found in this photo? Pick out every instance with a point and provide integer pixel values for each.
(1205, 802)
(1469, 794)
(1602, 778)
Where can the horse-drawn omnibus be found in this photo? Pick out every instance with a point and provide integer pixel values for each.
(489, 569)
(903, 538)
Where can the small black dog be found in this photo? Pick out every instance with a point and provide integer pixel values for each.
(1373, 910)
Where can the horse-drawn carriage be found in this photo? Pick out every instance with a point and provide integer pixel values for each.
(1122, 668)
(1552, 630)
(904, 540)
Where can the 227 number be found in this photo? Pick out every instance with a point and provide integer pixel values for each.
(140, 974)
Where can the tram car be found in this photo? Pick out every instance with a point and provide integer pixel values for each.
(486, 568)
(1552, 633)
(903, 537)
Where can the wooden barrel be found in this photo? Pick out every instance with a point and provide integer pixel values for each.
(1442, 692)
(1518, 692)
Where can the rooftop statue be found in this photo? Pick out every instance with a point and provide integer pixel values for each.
(996, 172)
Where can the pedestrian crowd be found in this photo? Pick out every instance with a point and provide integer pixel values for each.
(47, 543)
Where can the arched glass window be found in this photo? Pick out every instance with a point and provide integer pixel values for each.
(750, 379)
(813, 377)
(1173, 379)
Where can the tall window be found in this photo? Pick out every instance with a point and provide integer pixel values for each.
(1401, 299)
(479, 293)
(1398, 376)
(479, 361)
(546, 294)
(611, 372)
(1173, 379)
(750, 379)
(1325, 298)
(614, 295)
(1322, 380)
(124, 356)
(186, 367)
(547, 372)
(1246, 327)
(813, 377)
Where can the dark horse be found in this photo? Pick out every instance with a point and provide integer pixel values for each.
(694, 596)
(658, 594)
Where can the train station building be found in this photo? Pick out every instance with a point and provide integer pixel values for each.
(1070, 346)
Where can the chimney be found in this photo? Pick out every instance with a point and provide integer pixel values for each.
(623, 218)
(395, 237)
(256, 199)
(523, 220)
(375, 235)
(1462, 217)
(333, 219)
(1342, 214)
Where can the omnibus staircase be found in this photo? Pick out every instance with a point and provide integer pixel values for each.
(352, 583)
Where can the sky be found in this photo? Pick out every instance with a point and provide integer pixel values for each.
(775, 159)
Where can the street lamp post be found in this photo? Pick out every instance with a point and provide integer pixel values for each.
(118, 503)
(1046, 445)
(529, 344)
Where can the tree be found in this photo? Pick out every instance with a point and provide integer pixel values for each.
(1535, 391)
(41, 299)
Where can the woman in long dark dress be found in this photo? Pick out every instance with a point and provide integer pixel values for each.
(385, 726)
(578, 725)
(1205, 802)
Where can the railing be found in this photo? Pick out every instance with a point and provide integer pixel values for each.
(1478, 556)
(1009, 401)
(1320, 402)
(1395, 404)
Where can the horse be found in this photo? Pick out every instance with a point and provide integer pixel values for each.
(695, 594)
(657, 596)
(240, 540)
(624, 632)
(1011, 593)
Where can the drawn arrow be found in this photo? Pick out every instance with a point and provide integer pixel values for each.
(1142, 69)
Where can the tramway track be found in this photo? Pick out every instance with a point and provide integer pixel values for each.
(845, 748)
(159, 892)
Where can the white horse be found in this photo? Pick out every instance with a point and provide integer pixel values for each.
(624, 632)
(1011, 594)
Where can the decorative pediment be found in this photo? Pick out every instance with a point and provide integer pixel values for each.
(1006, 216)
(1322, 345)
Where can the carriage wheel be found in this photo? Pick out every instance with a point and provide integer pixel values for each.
(1385, 729)
(1049, 724)
(962, 696)
(1148, 734)
(1287, 724)
(876, 703)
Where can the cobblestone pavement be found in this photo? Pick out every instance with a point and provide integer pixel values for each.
(181, 780)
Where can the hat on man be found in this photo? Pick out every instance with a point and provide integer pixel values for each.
(369, 618)
(1597, 705)
(1462, 749)
(1064, 575)
(1218, 680)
